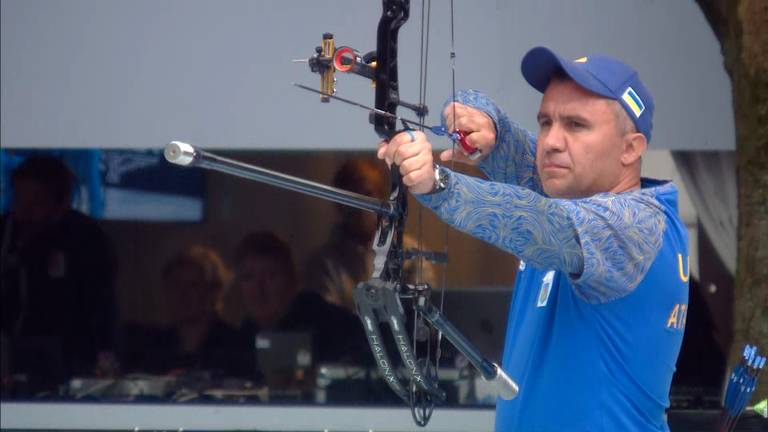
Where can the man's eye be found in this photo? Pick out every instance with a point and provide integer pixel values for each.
(545, 123)
(575, 124)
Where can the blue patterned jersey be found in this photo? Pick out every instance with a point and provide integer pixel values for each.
(600, 300)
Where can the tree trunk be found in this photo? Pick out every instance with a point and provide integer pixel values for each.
(742, 28)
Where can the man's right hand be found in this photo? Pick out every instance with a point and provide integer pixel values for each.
(479, 127)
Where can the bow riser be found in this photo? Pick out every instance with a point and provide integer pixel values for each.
(394, 14)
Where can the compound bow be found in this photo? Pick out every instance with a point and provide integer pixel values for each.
(379, 300)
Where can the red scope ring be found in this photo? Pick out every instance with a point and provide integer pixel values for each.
(340, 53)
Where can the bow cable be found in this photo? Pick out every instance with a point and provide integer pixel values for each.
(421, 409)
(444, 276)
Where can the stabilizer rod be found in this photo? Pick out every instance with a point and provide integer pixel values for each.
(184, 154)
(491, 372)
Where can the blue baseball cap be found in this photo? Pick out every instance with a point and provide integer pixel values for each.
(599, 74)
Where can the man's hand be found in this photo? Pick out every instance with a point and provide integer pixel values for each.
(411, 151)
(480, 129)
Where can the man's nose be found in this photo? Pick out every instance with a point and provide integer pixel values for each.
(554, 139)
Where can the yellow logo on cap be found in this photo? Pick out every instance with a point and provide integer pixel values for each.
(580, 60)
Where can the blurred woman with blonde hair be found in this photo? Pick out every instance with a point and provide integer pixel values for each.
(194, 282)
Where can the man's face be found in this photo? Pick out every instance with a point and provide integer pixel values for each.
(33, 203)
(266, 288)
(579, 147)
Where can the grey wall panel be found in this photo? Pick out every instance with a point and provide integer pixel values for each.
(140, 417)
(138, 73)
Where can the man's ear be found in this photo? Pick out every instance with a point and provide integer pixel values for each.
(634, 147)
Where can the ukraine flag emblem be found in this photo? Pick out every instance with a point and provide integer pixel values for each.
(633, 101)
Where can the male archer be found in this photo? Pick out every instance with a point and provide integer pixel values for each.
(599, 305)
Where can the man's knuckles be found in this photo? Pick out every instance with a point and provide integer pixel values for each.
(411, 165)
(416, 179)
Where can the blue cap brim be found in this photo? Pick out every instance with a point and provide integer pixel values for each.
(540, 63)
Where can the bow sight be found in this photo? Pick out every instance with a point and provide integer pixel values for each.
(329, 59)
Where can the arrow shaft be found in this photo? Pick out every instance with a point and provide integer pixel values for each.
(365, 107)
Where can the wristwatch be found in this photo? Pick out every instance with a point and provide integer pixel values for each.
(441, 179)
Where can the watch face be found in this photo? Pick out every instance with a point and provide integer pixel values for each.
(441, 177)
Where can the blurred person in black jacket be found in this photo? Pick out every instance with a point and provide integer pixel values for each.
(266, 289)
(57, 272)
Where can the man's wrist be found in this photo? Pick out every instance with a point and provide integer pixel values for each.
(441, 180)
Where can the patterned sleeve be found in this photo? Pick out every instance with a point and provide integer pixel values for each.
(513, 159)
(605, 243)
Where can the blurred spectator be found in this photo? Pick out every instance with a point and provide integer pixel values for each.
(266, 298)
(194, 280)
(346, 258)
(57, 271)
